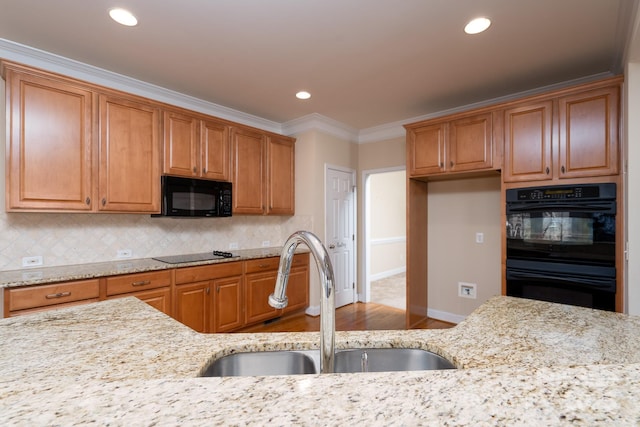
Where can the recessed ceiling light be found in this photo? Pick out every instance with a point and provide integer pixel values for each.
(477, 25)
(303, 95)
(124, 17)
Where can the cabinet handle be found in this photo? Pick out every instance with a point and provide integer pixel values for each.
(451, 163)
(58, 295)
(195, 169)
(204, 170)
(562, 169)
(87, 201)
(263, 265)
(141, 283)
(547, 170)
(218, 289)
(207, 291)
(104, 201)
(441, 165)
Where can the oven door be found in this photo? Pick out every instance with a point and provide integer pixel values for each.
(577, 232)
(574, 284)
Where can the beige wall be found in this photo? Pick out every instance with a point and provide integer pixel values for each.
(457, 210)
(632, 138)
(387, 223)
(314, 150)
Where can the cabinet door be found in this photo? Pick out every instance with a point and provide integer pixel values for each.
(193, 306)
(470, 143)
(227, 312)
(297, 289)
(180, 144)
(129, 156)
(527, 142)
(248, 149)
(50, 144)
(160, 299)
(426, 153)
(215, 150)
(258, 288)
(589, 133)
(280, 176)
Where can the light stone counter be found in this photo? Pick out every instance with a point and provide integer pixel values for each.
(120, 362)
(42, 275)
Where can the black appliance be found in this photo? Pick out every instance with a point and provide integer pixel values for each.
(561, 244)
(190, 197)
(206, 256)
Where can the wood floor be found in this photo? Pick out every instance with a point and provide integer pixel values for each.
(353, 317)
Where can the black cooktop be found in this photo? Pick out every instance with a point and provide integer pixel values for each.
(206, 256)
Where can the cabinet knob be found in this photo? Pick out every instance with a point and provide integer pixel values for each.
(87, 201)
(218, 289)
(204, 170)
(562, 169)
(547, 170)
(441, 165)
(195, 170)
(451, 163)
(104, 201)
(207, 290)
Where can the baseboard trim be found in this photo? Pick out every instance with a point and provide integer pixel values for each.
(445, 316)
(313, 310)
(387, 273)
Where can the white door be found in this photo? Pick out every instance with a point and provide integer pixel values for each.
(340, 232)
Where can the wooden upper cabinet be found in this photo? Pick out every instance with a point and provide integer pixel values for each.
(451, 146)
(426, 150)
(50, 143)
(248, 151)
(129, 155)
(215, 152)
(195, 147)
(527, 142)
(588, 143)
(470, 143)
(181, 145)
(572, 135)
(280, 190)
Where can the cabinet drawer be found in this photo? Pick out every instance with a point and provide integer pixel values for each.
(137, 282)
(207, 272)
(58, 293)
(271, 264)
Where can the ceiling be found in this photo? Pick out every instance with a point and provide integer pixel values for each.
(365, 62)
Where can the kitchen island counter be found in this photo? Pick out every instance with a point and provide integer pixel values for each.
(121, 362)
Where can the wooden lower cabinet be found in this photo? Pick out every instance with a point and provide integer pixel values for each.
(30, 299)
(210, 298)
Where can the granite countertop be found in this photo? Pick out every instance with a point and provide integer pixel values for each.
(42, 275)
(121, 362)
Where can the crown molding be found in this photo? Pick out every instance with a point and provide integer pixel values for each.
(322, 123)
(38, 58)
(51, 62)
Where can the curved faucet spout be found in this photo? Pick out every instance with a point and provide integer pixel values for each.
(278, 298)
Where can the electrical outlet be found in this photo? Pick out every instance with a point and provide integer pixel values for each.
(233, 245)
(32, 261)
(479, 237)
(467, 290)
(266, 243)
(124, 253)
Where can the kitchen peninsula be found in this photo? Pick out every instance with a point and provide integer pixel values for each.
(121, 362)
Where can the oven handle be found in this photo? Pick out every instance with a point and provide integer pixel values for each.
(603, 207)
(603, 284)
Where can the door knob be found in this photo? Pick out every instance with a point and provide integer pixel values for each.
(332, 246)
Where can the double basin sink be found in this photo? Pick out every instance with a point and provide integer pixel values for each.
(295, 362)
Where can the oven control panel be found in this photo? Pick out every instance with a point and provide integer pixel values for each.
(564, 192)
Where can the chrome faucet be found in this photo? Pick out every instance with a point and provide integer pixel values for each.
(278, 298)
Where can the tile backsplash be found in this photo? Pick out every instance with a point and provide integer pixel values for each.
(64, 239)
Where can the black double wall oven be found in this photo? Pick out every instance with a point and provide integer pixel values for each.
(561, 244)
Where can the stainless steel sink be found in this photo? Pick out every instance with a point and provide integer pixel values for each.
(389, 359)
(263, 363)
(295, 362)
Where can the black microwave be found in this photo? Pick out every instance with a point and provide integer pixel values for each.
(190, 197)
